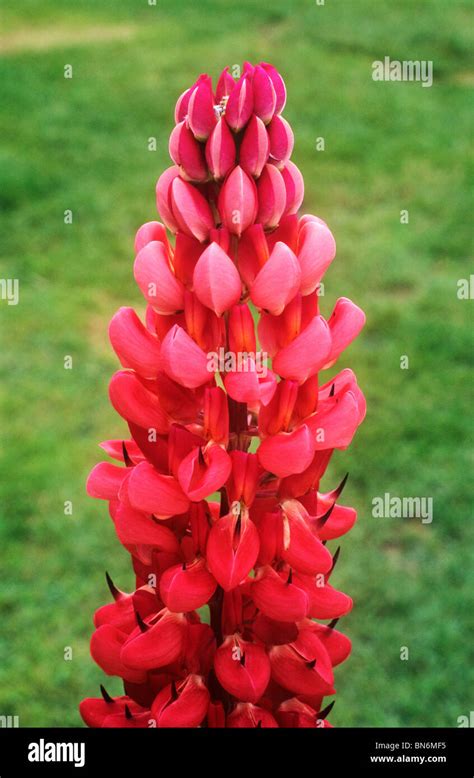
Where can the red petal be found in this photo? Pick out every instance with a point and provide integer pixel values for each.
(232, 548)
(152, 492)
(201, 474)
(279, 599)
(242, 668)
(162, 643)
(186, 588)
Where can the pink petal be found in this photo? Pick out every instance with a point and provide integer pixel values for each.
(254, 148)
(271, 197)
(294, 185)
(278, 85)
(306, 354)
(237, 201)
(278, 281)
(216, 280)
(201, 115)
(287, 452)
(134, 345)
(105, 480)
(135, 403)
(200, 474)
(264, 95)
(163, 197)
(183, 360)
(186, 152)
(240, 104)
(148, 232)
(281, 140)
(220, 150)
(153, 492)
(191, 210)
(316, 251)
(345, 323)
(154, 276)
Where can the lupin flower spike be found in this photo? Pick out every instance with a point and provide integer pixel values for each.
(215, 487)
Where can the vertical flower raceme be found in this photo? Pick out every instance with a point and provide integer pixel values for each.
(215, 490)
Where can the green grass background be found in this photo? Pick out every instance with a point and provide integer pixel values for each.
(81, 144)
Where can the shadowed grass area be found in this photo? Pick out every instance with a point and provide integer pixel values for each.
(82, 144)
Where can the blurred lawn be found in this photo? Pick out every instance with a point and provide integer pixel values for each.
(81, 144)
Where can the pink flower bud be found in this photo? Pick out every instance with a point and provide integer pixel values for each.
(240, 104)
(186, 152)
(316, 251)
(154, 276)
(163, 197)
(281, 140)
(220, 150)
(181, 109)
(294, 185)
(238, 202)
(216, 280)
(254, 148)
(225, 85)
(191, 210)
(278, 85)
(264, 95)
(271, 192)
(201, 113)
